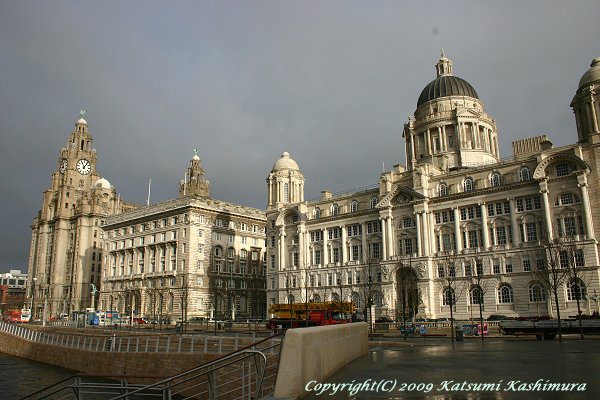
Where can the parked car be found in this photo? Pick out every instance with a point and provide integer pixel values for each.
(384, 319)
(196, 320)
(140, 321)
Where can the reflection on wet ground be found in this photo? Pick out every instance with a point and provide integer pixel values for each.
(494, 369)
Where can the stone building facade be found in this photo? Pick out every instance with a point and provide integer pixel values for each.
(193, 256)
(455, 210)
(66, 241)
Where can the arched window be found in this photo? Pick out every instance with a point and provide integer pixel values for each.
(468, 185)
(291, 299)
(537, 294)
(335, 209)
(505, 294)
(408, 222)
(316, 298)
(442, 189)
(354, 206)
(495, 179)
(243, 254)
(476, 295)
(374, 202)
(524, 174)
(230, 252)
(335, 297)
(317, 212)
(449, 297)
(566, 198)
(356, 300)
(218, 251)
(576, 290)
(377, 299)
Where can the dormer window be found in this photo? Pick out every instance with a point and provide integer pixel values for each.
(468, 185)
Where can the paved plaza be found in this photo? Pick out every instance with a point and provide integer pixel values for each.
(499, 368)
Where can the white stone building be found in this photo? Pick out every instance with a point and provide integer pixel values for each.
(193, 256)
(455, 198)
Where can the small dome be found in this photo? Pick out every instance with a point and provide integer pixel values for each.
(446, 85)
(196, 158)
(82, 121)
(592, 74)
(102, 183)
(285, 162)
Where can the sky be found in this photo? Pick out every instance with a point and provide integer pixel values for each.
(331, 82)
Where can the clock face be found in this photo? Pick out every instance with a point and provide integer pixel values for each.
(63, 165)
(84, 167)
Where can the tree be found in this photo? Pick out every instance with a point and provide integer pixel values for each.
(449, 283)
(480, 285)
(550, 272)
(368, 287)
(573, 260)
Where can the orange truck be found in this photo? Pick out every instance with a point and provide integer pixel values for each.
(300, 315)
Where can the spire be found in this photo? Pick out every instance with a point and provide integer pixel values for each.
(444, 65)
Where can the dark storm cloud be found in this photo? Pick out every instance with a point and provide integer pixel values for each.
(242, 81)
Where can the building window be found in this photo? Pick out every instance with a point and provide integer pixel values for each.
(566, 199)
(468, 185)
(505, 294)
(576, 290)
(562, 170)
(317, 212)
(496, 179)
(374, 202)
(524, 174)
(442, 189)
(476, 295)
(449, 297)
(354, 206)
(335, 209)
(286, 193)
(536, 293)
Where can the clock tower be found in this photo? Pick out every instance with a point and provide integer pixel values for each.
(66, 242)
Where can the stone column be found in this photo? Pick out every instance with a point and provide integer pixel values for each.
(516, 239)
(419, 229)
(390, 237)
(484, 229)
(425, 232)
(546, 205)
(281, 248)
(325, 249)
(589, 227)
(458, 236)
(344, 245)
(383, 237)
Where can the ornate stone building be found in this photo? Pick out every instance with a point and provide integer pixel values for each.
(193, 256)
(66, 240)
(472, 227)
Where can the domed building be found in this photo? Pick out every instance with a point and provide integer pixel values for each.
(456, 230)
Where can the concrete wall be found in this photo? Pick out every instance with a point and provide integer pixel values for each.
(316, 353)
(104, 363)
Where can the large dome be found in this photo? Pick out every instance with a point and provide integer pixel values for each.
(446, 85)
(285, 163)
(592, 74)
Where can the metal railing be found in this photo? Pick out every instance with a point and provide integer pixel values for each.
(249, 373)
(150, 343)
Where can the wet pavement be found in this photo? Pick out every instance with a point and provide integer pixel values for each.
(499, 368)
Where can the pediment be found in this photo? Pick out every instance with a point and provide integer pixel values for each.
(399, 196)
